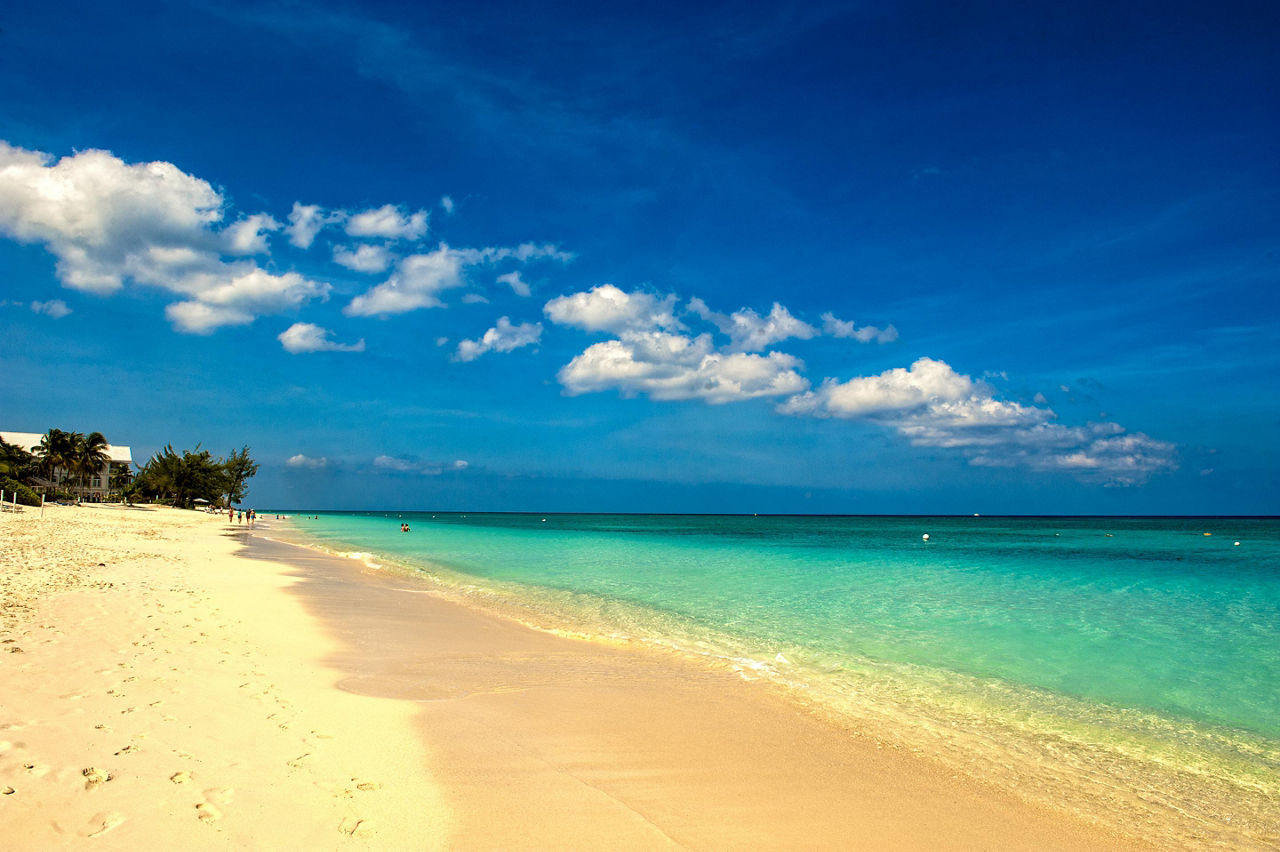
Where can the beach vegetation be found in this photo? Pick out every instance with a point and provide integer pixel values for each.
(88, 456)
(16, 463)
(239, 468)
(182, 479)
(26, 496)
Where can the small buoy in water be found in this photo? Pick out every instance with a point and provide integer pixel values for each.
(1208, 533)
(925, 537)
(544, 520)
(1237, 544)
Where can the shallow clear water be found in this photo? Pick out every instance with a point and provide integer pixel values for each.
(1137, 660)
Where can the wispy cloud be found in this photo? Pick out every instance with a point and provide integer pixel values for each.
(55, 308)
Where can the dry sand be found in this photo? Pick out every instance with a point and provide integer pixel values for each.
(194, 692)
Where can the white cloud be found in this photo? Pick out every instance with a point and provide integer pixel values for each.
(95, 213)
(306, 462)
(419, 279)
(389, 222)
(749, 332)
(474, 299)
(202, 318)
(932, 405)
(416, 283)
(234, 294)
(249, 235)
(893, 390)
(608, 308)
(516, 283)
(306, 220)
(363, 258)
(671, 366)
(308, 337)
(446, 204)
(504, 337)
(393, 463)
(108, 222)
(55, 308)
(404, 464)
(867, 334)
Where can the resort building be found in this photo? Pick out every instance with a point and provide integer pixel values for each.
(96, 485)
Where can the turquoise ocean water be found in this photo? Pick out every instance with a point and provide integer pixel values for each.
(1125, 668)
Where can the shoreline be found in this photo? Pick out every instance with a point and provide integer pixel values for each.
(827, 765)
(1054, 753)
(193, 683)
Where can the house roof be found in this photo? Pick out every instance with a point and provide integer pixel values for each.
(30, 440)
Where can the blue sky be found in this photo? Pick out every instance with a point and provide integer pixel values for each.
(911, 257)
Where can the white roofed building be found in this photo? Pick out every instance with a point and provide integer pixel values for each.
(97, 484)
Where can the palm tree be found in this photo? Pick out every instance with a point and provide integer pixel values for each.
(55, 453)
(89, 456)
(16, 462)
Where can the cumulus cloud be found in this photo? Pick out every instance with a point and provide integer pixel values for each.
(306, 220)
(303, 462)
(932, 405)
(95, 213)
(308, 337)
(419, 279)
(504, 337)
(55, 308)
(363, 258)
(670, 366)
(249, 235)
(516, 283)
(608, 308)
(446, 204)
(389, 222)
(108, 222)
(899, 389)
(417, 282)
(867, 334)
(234, 294)
(750, 332)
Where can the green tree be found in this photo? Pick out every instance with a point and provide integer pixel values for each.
(16, 462)
(239, 469)
(55, 452)
(121, 478)
(89, 455)
(195, 474)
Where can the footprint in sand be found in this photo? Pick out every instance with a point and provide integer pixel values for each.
(206, 812)
(180, 777)
(350, 825)
(95, 777)
(39, 770)
(105, 822)
(296, 763)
